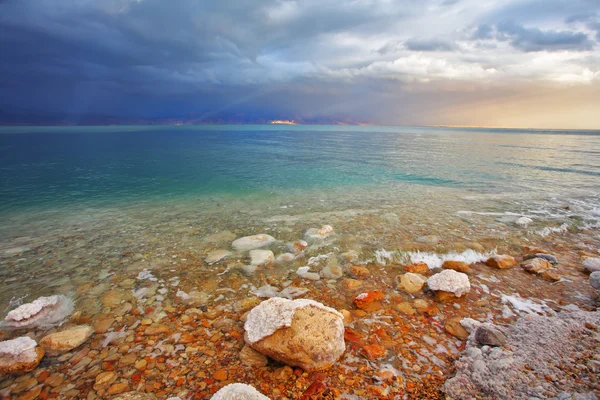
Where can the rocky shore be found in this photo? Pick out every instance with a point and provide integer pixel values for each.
(317, 315)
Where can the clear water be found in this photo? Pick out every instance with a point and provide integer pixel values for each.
(81, 166)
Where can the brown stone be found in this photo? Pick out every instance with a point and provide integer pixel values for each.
(442, 296)
(417, 268)
(351, 284)
(364, 299)
(501, 262)
(24, 385)
(550, 276)
(118, 388)
(405, 308)
(128, 359)
(104, 380)
(252, 358)
(536, 265)
(454, 328)
(156, 330)
(102, 324)
(220, 375)
(67, 340)
(111, 298)
(54, 380)
(32, 394)
(457, 266)
(374, 351)
(19, 368)
(359, 271)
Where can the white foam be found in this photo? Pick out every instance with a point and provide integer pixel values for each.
(383, 256)
(550, 230)
(434, 260)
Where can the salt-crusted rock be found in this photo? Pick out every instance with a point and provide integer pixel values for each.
(19, 356)
(411, 282)
(252, 242)
(595, 280)
(501, 261)
(320, 233)
(523, 221)
(285, 257)
(259, 257)
(301, 332)
(61, 342)
(450, 281)
(303, 272)
(43, 312)
(216, 255)
(238, 391)
(592, 264)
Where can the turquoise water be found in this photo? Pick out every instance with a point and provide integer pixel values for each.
(81, 166)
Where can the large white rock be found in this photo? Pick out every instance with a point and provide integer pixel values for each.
(238, 391)
(43, 312)
(299, 332)
(259, 257)
(20, 355)
(450, 281)
(252, 242)
(592, 264)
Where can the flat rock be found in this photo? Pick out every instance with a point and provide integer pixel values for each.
(459, 266)
(548, 257)
(67, 340)
(301, 332)
(536, 265)
(417, 268)
(454, 327)
(450, 281)
(321, 233)
(501, 261)
(592, 264)
(216, 255)
(19, 356)
(259, 257)
(489, 336)
(238, 391)
(411, 282)
(252, 358)
(247, 243)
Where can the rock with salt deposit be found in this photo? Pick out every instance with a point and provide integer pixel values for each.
(136, 396)
(592, 264)
(216, 255)
(44, 312)
(303, 272)
(301, 332)
(67, 340)
(259, 257)
(298, 246)
(595, 280)
(19, 356)
(321, 233)
(238, 391)
(450, 281)
(252, 242)
(523, 221)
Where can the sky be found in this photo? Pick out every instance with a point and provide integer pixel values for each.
(502, 63)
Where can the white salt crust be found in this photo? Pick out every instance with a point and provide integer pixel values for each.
(450, 281)
(238, 391)
(42, 312)
(276, 313)
(20, 350)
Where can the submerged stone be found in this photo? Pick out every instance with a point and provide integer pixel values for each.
(217, 255)
(595, 280)
(259, 257)
(320, 233)
(67, 340)
(592, 264)
(501, 261)
(252, 242)
(411, 282)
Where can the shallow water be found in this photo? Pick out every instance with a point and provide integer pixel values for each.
(84, 210)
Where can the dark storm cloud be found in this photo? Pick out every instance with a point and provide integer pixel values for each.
(158, 58)
(534, 39)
